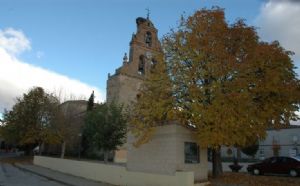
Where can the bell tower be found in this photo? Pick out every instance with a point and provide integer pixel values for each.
(124, 85)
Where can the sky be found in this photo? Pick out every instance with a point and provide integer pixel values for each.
(69, 46)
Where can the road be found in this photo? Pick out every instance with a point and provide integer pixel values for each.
(13, 176)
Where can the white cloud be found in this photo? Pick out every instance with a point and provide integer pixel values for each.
(13, 41)
(279, 20)
(17, 77)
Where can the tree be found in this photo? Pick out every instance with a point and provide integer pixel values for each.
(84, 142)
(67, 123)
(31, 119)
(228, 84)
(90, 104)
(9, 132)
(251, 150)
(105, 127)
(154, 105)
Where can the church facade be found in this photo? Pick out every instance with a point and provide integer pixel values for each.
(123, 86)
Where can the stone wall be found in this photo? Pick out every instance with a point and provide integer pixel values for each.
(123, 89)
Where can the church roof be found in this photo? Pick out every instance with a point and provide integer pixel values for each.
(141, 20)
(285, 127)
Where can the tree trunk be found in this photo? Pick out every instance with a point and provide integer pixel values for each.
(84, 145)
(105, 156)
(63, 149)
(217, 163)
(238, 154)
(41, 148)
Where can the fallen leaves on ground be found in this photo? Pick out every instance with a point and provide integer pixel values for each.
(244, 179)
(20, 159)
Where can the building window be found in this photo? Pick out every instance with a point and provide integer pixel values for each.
(191, 152)
(153, 62)
(148, 39)
(141, 67)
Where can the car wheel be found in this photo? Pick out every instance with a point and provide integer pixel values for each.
(256, 172)
(293, 173)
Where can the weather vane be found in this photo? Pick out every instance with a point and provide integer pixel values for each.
(148, 12)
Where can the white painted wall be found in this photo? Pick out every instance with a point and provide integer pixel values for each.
(114, 174)
(284, 137)
(164, 153)
(201, 169)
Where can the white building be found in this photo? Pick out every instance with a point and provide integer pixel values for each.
(283, 142)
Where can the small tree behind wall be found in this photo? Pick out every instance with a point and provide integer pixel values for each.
(90, 104)
(84, 142)
(105, 128)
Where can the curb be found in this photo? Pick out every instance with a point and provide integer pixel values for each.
(42, 175)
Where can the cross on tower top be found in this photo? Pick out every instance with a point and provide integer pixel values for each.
(148, 12)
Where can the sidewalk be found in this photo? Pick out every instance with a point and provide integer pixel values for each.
(58, 176)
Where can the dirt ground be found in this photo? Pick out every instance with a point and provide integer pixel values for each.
(245, 179)
(21, 159)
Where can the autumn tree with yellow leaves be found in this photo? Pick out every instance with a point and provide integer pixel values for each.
(154, 105)
(31, 121)
(222, 80)
(229, 85)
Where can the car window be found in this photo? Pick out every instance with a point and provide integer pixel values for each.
(284, 160)
(281, 160)
(297, 158)
(291, 160)
(270, 160)
(274, 160)
(266, 160)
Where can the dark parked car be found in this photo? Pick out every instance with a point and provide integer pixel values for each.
(277, 165)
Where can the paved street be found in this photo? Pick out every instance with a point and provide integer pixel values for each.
(61, 177)
(16, 170)
(13, 176)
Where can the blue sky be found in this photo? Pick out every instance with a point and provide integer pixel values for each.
(84, 40)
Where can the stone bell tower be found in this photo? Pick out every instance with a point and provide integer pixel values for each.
(124, 85)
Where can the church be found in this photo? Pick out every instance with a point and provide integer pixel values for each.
(172, 147)
(123, 86)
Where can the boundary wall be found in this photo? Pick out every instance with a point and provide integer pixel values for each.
(113, 174)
